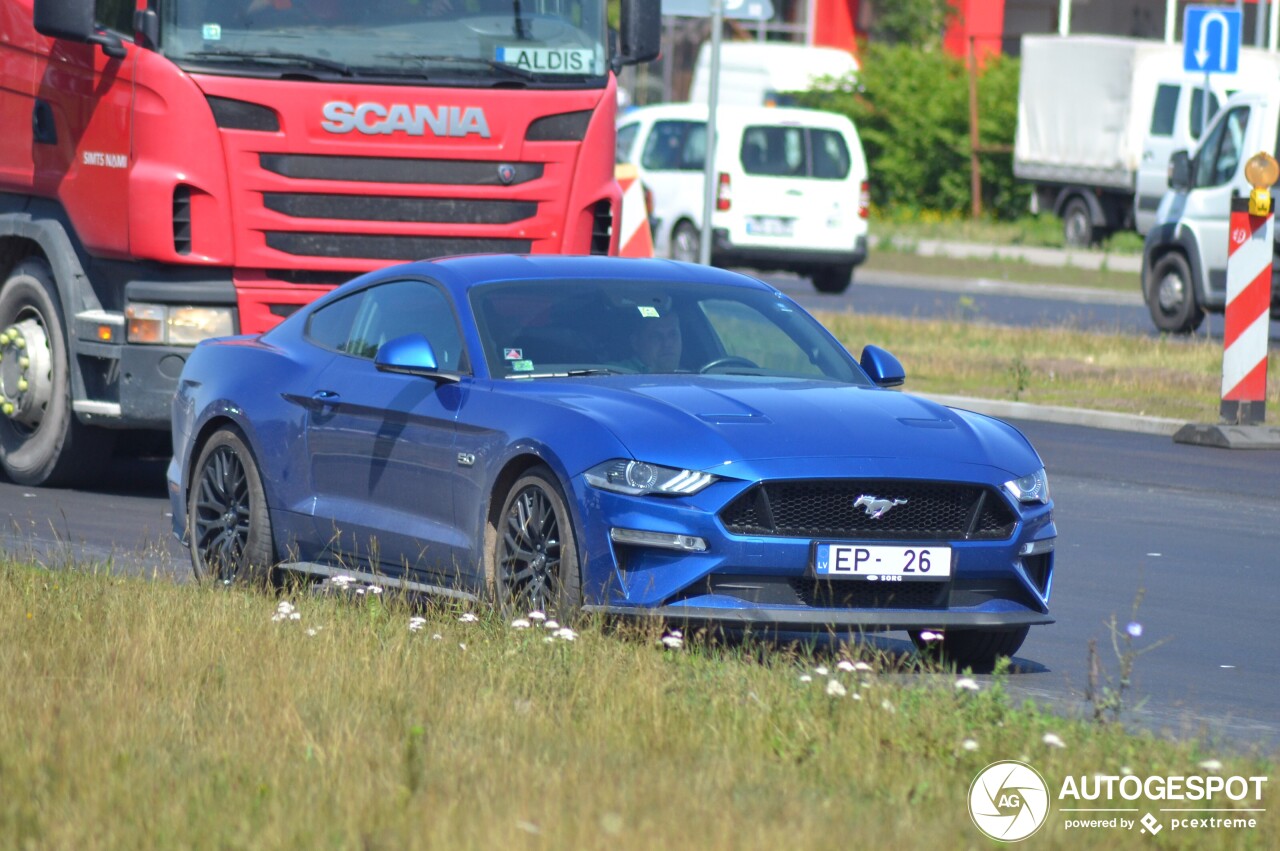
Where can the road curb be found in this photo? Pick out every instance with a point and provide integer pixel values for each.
(1109, 420)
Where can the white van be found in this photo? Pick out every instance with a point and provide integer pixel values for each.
(1184, 258)
(754, 73)
(791, 191)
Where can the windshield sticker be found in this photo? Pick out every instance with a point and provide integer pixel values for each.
(548, 60)
(522, 365)
(649, 312)
(513, 354)
(211, 32)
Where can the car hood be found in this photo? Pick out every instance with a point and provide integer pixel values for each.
(706, 423)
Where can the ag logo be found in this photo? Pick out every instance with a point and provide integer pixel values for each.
(1008, 801)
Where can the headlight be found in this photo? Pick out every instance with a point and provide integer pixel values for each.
(638, 478)
(177, 325)
(1032, 488)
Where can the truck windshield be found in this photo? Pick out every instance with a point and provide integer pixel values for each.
(441, 42)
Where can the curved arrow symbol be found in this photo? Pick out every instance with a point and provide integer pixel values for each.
(1202, 55)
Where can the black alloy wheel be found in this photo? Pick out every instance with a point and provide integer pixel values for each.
(228, 524)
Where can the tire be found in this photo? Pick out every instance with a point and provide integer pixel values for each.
(228, 522)
(833, 279)
(41, 441)
(533, 550)
(686, 243)
(1077, 224)
(975, 648)
(1171, 298)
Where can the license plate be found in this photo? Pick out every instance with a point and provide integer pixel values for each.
(769, 226)
(880, 563)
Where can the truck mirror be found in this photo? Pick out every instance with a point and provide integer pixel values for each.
(641, 31)
(1180, 171)
(73, 20)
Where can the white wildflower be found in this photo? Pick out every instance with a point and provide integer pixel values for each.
(862, 666)
(341, 581)
(520, 623)
(417, 623)
(536, 615)
(928, 636)
(566, 633)
(374, 589)
(844, 665)
(673, 641)
(1211, 765)
(437, 637)
(821, 670)
(1134, 629)
(805, 678)
(1053, 740)
(469, 617)
(835, 689)
(1126, 770)
(312, 631)
(550, 625)
(969, 744)
(462, 646)
(887, 706)
(967, 684)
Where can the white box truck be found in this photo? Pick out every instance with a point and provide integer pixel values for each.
(1099, 116)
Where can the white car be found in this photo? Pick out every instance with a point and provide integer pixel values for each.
(791, 190)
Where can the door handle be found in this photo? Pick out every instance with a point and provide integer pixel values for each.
(325, 397)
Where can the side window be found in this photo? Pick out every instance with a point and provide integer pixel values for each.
(776, 151)
(1165, 111)
(830, 154)
(406, 307)
(625, 139)
(330, 326)
(1219, 154)
(116, 15)
(674, 146)
(1198, 118)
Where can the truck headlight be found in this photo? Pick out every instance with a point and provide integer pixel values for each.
(177, 325)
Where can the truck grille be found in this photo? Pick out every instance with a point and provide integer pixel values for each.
(395, 248)
(462, 211)
(397, 170)
(932, 511)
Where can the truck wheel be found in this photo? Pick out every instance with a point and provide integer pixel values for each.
(41, 441)
(833, 279)
(1171, 298)
(1077, 224)
(686, 243)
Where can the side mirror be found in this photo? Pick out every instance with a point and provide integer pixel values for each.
(640, 38)
(73, 20)
(1180, 175)
(883, 368)
(411, 355)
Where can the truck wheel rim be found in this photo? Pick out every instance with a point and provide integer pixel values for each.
(26, 373)
(1170, 293)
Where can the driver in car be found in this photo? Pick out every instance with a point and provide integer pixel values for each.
(656, 342)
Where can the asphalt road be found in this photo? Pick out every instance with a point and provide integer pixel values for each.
(1001, 302)
(1196, 530)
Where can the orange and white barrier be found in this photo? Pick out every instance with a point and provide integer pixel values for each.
(635, 240)
(1248, 315)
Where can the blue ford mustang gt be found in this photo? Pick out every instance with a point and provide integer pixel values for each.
(608, 435)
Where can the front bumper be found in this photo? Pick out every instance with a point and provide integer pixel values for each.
(742, 580)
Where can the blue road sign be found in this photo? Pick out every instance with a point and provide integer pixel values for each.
(1211, 40)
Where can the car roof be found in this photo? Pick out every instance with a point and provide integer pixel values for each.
(462, 273)
(738, 114)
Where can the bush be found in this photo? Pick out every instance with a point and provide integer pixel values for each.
(911, 108)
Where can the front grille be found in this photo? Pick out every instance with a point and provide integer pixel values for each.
(399, 170)
(930, 511)
(381, 247)
(363, 208)
(823, 594)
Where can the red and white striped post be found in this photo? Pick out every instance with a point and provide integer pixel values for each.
(1248, 316)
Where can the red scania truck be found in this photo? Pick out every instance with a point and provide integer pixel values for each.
(172, 170)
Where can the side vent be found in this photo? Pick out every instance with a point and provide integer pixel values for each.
(565, 127)
(231, 114)
(182, 219)
(601, 227)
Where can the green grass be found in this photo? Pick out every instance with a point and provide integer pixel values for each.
(887, 259)
(154, 715)
(1161, 377)
(1042, 230)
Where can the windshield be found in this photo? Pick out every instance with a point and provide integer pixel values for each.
(441, 42)
(538, 329)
